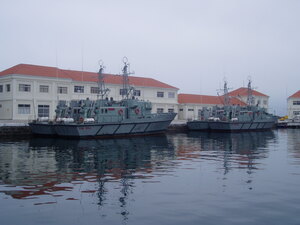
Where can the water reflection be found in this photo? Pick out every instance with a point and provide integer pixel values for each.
(42, 164)
(45, 163)
(45, 169)
(235, 150)
(293, 144)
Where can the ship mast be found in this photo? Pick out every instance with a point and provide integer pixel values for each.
(225, 93)
(249, 94)
(102, 91)
(126, 87)
(226, 96)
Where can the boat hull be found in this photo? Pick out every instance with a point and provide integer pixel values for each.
(98, 130)
(142, 126)
(230, 126)
(198, 125)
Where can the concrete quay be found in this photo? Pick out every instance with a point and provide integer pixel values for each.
(14, 128)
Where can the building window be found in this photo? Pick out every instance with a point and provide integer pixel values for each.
(44, 88)
(78, 89)
(24, 87)
(137, 92)
(171, 94)
(191, 110)
(62, 90)
(258, 102)
(94, 90)
(1, 88)
(123, 91)
(43, 110)
(265, 102)
(23, 108)
(170, 110)
(160, 94)
(296, 102)
(159, 110)
(296, 113)
(8, 88)
(181, 110)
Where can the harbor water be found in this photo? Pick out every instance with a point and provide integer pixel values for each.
(180, 178)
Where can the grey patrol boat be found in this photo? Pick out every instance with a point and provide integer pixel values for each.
(234, 117)
(106, 117)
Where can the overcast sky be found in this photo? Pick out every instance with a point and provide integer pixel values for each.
(190, 44)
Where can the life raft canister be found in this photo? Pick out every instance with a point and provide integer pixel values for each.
(120, 111)
(81, 120)
(137, 111)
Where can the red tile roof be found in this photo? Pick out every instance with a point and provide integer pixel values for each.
(244, 92)
(45, 71)
(206, 99)
(295, 95)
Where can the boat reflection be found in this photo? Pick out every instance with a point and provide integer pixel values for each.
(237, 150)
(52, 167)
(47, 163)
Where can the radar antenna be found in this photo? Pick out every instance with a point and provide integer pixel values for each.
(127, 89)
(102, 91)
(250, 98)
(225, 93)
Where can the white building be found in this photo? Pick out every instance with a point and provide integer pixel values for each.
(190, 105)
(294, 105)
(259, 98)
(30, 91)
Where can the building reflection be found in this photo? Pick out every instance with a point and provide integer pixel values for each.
(293, 143)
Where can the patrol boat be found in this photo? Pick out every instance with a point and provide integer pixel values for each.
(106, 117)
(234, 117)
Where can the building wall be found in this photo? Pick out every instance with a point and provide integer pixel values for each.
(6, 93)
(26, 95)
(190, 111)
(293, 107)
(261, 101)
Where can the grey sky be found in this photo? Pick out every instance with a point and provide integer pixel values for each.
(190, 44)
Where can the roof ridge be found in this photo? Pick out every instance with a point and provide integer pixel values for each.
(49, 71)
(295, 95)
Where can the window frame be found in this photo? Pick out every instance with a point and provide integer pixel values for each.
(137, 93)
(24, 109)
(43, 110)
(159, 110)
(78, 89)
(62, 90)
(296, 102)
(160, 94)
(24, 87)
(171, 94)
(94, 90)
(44, 87)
